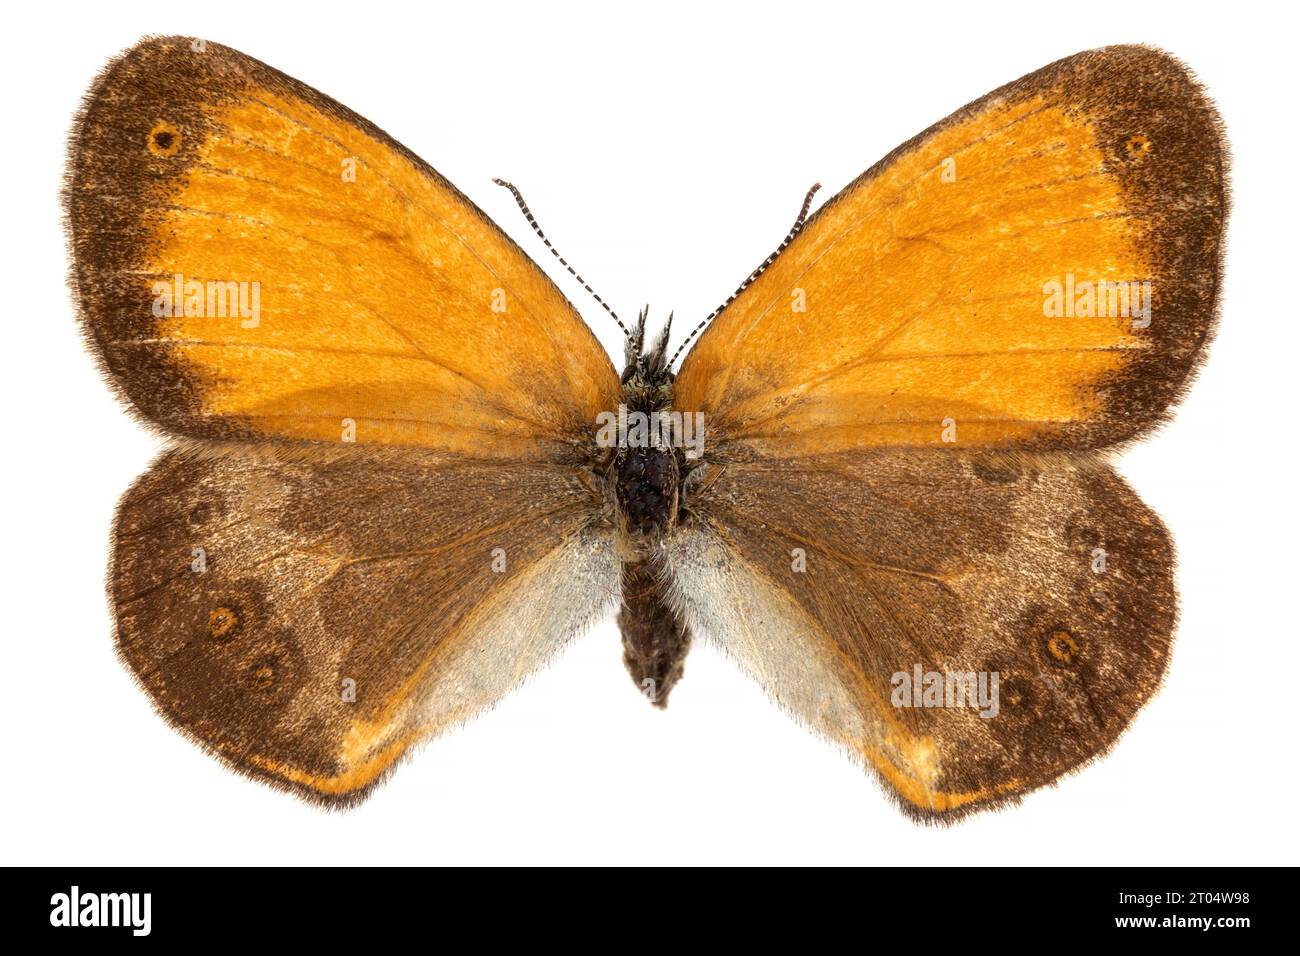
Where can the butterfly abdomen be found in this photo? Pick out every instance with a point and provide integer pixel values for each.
(655, 638)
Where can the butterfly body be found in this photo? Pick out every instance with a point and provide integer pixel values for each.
(647, 473)
(398, 484)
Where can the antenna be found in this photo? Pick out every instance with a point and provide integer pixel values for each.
(528, 214)
(794, 231)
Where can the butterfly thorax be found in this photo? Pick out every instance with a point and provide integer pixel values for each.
(646, 469)
(646, 484)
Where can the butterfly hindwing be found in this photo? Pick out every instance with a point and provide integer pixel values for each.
(954, 290)
(308, 616)
(842, 581)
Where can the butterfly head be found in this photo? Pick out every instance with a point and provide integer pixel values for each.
(646, 369)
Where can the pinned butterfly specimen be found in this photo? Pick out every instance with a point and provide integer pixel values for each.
(389, 496)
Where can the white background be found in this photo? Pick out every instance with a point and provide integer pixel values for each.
(665, 149)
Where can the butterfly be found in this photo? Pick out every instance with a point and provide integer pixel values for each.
(402, 472)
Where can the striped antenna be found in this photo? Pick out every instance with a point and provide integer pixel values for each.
(528, 214)
(794, 231)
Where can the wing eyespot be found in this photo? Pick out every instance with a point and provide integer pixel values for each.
(164, 140)
(262, 674)
(1063, 647)
(1137, 146)
(223, 624)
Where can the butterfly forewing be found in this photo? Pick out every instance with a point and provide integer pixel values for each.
(1039, 269)
(256, 261)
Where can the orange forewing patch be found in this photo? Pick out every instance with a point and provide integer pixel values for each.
(292, 272)
(917, 298)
